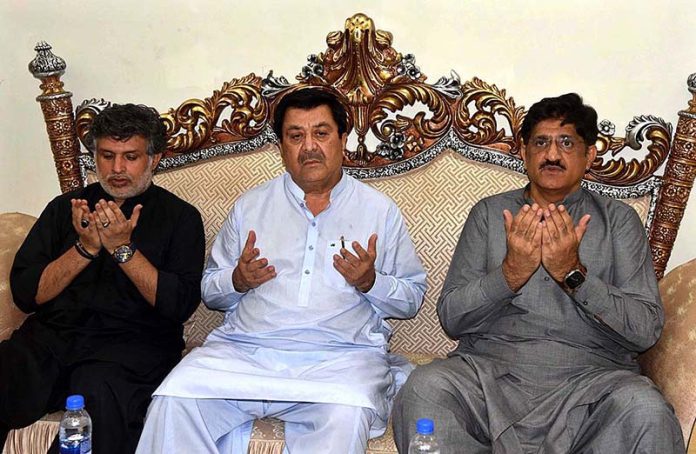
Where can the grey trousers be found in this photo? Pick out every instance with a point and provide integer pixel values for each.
(632, 418)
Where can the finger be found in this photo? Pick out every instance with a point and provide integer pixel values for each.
(343, 267)
(536, 214)
(372, 245)
(247, 251)
(552, 220)
(582, 227)
(118, 214)
(360, 251)
(255, 265)
(538, 232)
(507, 216)
(567, 221)
(348, 256)
(134, 216)
(101, 213)
(110, 215)
(268, 274)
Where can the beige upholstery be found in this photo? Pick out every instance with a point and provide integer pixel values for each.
(13, 229)
(671, 364)
(434, 199)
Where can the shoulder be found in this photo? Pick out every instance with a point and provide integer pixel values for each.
(172, 203)
(363, 192)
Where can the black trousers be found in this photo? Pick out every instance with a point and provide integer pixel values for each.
(39, 370)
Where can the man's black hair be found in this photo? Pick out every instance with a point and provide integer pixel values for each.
(309, 98)
(123, 121)
(570, 110)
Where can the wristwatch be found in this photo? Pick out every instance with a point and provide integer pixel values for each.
(124, 252)
(575, 278)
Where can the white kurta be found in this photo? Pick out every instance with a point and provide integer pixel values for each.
(306, 335)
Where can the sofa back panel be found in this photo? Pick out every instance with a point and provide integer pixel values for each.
(434, 199)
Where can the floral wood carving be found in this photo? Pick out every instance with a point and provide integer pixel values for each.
(391, 104)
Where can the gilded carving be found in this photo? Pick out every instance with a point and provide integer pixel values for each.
(389, 100)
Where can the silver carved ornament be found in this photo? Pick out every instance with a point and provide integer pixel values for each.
(46, 64)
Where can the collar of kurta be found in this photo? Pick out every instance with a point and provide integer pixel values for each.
(299, 195)
(569, 200)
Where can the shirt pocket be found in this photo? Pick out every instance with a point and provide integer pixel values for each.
(332, 277)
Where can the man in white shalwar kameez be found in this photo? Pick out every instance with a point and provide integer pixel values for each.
(306, 267)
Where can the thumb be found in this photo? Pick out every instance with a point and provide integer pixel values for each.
(136, 215)
(508, 220)
(372, 245)
(581, 228)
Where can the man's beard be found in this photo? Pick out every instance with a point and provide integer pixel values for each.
(136, 186)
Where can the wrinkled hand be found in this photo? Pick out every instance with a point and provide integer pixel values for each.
(358, 271)
(523, 234)
(560, 241)
(84, 224)
(114, 229)
(251, 271)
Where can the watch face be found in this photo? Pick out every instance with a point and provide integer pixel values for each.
(123, 253)
(574, 279)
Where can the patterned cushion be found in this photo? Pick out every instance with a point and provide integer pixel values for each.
(13, 229)
(671, 364)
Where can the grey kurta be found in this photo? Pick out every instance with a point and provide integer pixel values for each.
(538, 354)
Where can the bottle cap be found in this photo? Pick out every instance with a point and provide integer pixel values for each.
(75, 402)
(425, 426)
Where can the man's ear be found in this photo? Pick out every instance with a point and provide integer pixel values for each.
(155, 160)
(591, 156)
(344, 140)
(523, 153)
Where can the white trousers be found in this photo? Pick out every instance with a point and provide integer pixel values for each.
(185, 425)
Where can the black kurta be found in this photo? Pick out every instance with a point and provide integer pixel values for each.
(99, 336)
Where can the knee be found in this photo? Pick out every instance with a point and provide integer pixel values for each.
(430, 383)
(642, 400)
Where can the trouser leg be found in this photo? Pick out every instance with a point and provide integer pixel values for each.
(314, 427)
(633, 418)
(29, 372)
(448, 392)
(116, 399)
(212, 426)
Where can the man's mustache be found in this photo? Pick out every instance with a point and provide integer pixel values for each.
(549, 163)
(313, 155)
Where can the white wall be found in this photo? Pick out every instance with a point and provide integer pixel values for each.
(626, 57)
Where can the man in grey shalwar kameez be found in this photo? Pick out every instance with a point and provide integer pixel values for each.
(552, 294)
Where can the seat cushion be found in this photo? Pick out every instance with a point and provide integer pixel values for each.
(13, 229)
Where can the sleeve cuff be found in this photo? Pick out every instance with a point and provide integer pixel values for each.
(590, 295)
(495, 287)
(382, 287)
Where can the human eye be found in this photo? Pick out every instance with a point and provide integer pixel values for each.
(131, 157)
(540, 142)
(566, 143)
(322, 134)
(106, 155)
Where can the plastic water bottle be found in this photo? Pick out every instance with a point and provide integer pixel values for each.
(75, 432)
(424, 441)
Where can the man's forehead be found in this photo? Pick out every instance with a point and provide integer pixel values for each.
(315, 117)
(553, 127)
(135, 143)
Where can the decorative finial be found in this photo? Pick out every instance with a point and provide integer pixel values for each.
(46, 64)
(691, 82)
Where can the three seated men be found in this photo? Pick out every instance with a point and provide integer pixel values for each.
(551, 294)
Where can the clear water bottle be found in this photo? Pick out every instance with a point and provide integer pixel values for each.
(75, 432)
(424, 441)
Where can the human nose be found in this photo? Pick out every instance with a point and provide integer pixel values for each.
(553, 152)
(308, 143)
(119, 164)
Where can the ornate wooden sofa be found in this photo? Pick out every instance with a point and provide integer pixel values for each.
(434, 148)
